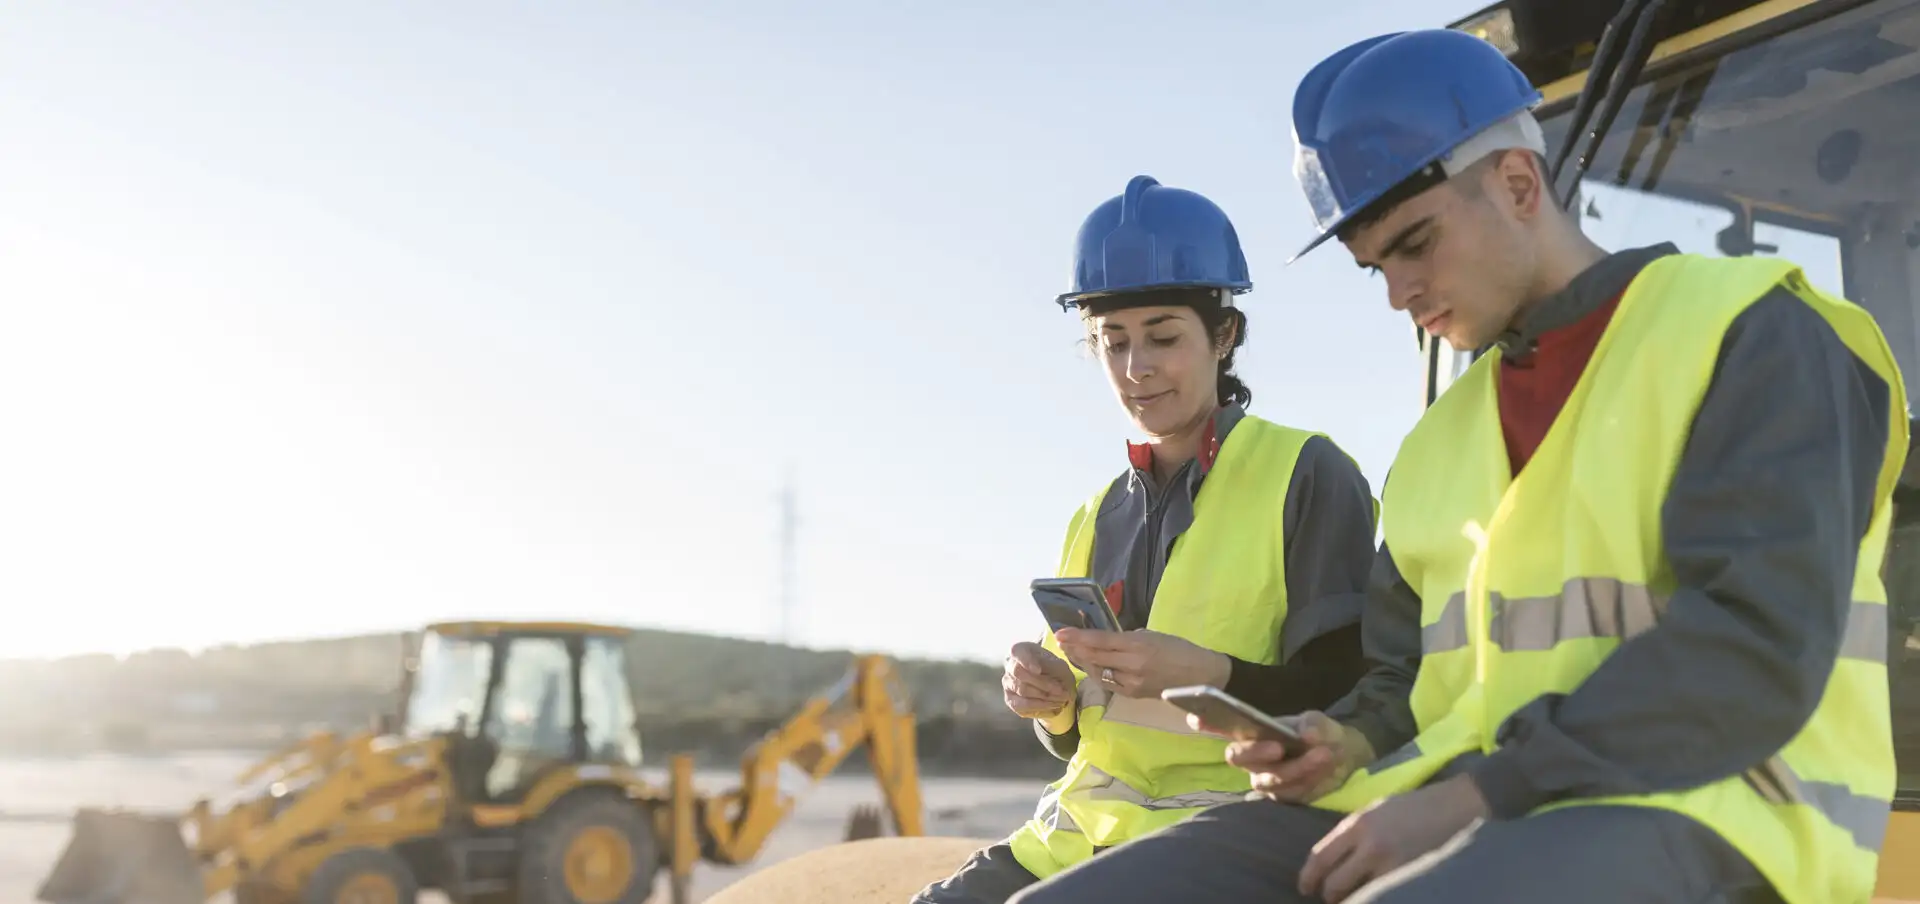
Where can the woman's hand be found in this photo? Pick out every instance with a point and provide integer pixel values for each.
(1036, 683)
(1143, 663)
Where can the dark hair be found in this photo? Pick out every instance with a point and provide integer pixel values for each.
(1225, 325)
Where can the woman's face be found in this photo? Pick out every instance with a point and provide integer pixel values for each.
(1163, 366)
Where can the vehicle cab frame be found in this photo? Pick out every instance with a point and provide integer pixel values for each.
(516, 700)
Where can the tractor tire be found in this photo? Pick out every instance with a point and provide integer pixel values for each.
(362, 876)
(594, 848)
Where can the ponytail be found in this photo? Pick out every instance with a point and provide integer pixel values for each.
(1228, 326)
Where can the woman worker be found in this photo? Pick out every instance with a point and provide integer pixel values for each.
(1233, 549)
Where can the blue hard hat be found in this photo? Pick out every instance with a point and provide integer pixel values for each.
(1382, 110)
(1155, 237)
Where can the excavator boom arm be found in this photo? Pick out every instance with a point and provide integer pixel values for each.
(865, 707)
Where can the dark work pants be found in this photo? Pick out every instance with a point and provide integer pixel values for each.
(1253, 852)
(990, 876)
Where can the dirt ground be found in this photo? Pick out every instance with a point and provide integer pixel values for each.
(36, 796)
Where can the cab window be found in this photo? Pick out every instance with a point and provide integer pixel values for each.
(606, 703)
(532, 717)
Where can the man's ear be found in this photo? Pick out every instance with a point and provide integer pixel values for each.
(1520, 183)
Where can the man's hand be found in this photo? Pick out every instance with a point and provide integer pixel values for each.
(1143, 663)
(1036, 684)
(1335, 751)
(1386, 836)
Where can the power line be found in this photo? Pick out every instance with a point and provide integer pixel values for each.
(789, 536)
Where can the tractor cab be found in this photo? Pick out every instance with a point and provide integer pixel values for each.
(516, 701)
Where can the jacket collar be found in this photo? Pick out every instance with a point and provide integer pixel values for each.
(1140, 455)
(1594, 287)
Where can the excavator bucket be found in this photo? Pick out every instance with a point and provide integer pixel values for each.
(118, 857)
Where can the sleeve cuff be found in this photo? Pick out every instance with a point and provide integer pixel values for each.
(1060, 723)
(1504, 783)
(1378, 735)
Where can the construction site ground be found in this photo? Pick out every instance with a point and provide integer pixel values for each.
(37, 797)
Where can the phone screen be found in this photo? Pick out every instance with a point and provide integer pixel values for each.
(1074, 604)
(1232, 717)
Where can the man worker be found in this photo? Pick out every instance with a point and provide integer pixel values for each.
(1639, 542)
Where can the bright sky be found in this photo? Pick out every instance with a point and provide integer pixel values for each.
(338, 317)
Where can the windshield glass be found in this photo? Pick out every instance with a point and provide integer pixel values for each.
(606, 700)
(1809, 136)
(1813, 137)
(449, 686)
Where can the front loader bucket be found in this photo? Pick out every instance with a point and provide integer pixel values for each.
(124, 858)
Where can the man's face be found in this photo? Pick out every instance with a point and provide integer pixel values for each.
(1453, 261)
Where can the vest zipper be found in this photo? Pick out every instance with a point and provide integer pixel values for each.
(1142, 592)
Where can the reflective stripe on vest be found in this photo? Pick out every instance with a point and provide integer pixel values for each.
(1605, 607)
(1529, 583)
(1098, 785)
(1139, 767)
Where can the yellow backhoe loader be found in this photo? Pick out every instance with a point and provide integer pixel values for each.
(510, 773)
(1730, 127)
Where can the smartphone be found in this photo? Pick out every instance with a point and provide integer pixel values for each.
(1074, 603)
(1233, 716)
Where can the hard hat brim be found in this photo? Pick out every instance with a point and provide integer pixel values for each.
(1071, 300)
(1318, 240)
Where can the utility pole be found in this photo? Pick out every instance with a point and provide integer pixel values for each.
(789, 532)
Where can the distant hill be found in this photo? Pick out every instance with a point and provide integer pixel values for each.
(705, 693)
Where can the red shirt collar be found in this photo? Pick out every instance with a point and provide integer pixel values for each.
(1574, 342)
(1140, 455)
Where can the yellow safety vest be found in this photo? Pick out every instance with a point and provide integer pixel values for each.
(1527, 584)
(1139, 768)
